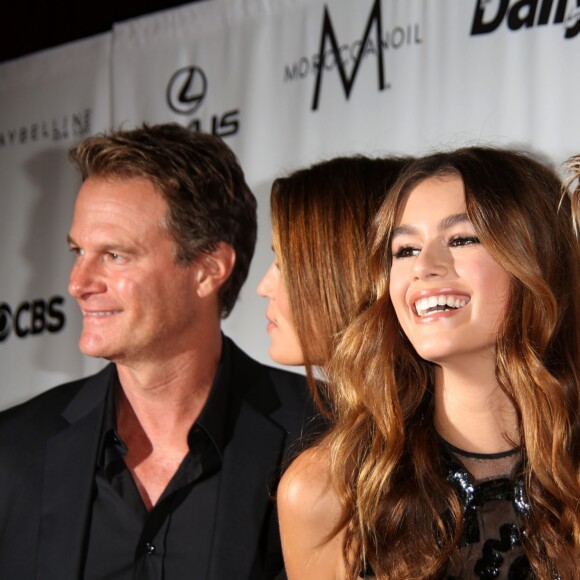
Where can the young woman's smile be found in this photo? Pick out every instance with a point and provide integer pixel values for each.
(447, 290)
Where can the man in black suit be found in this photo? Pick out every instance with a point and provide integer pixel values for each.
(163, 464)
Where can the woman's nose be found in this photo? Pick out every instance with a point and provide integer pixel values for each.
(434, 260)
(264, 288)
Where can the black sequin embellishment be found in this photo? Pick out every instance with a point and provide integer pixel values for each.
(473, 497)
(489, 565)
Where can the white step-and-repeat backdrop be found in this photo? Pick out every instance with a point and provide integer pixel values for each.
(286, 83)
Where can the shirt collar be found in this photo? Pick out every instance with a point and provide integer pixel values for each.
(213, 418)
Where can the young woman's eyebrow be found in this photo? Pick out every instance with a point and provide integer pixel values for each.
(453, 220)
(444, 224)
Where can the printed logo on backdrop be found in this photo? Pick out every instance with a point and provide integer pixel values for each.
(73, 126)
(491, 14)
(186, 93)
(334, 57)
(32, 318)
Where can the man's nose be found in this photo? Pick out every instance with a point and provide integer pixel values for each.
(85, 278)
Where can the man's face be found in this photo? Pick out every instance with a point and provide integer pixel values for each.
(138, 305)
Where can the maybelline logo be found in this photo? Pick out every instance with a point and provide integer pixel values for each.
(490, 14)
(332, 55)
(185, 94)
(76, 125)
(30, 318)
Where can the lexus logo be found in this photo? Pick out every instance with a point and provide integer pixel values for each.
(186, 90)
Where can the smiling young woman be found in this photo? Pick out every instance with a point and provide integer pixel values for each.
(456, 450)
(448, 292)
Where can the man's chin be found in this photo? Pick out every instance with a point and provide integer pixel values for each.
(89, 348)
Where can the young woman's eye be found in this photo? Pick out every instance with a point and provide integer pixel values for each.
(405, 252)
(458, 241)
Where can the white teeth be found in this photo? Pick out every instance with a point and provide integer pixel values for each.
(109, 313)
(439, 303)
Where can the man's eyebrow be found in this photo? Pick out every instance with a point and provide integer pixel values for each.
(444, 224)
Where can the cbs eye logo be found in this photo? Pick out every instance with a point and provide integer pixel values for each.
(32, 318)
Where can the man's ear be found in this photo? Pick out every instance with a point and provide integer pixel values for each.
(214, 268)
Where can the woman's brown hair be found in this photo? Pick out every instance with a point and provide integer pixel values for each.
(320, 220)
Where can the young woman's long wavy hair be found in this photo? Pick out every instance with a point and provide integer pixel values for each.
(401, 516)
(321, 215)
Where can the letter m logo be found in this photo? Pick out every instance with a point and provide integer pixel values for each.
(329, 35)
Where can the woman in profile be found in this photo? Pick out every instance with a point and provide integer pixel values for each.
(320, 219)
(455, 451)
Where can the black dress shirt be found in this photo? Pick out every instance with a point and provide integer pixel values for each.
(125, 541)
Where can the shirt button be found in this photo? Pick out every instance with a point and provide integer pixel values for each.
(149, 548)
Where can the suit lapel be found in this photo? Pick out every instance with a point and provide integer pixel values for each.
(254, 451)
(68, 483)
(249, 463)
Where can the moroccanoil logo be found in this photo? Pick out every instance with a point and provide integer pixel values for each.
(345, 56)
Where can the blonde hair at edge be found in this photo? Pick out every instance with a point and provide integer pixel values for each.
(573, 164)
(383, 450)
(320, 220)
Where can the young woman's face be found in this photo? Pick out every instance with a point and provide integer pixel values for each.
(448, 292)
(284, 344)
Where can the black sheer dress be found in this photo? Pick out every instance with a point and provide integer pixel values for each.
(494, 504)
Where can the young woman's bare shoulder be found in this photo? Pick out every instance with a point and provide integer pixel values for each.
(305, 494)
(310, 512)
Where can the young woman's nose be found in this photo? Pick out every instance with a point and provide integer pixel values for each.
(434, 260)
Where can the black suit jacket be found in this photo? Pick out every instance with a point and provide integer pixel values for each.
(48, 451)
